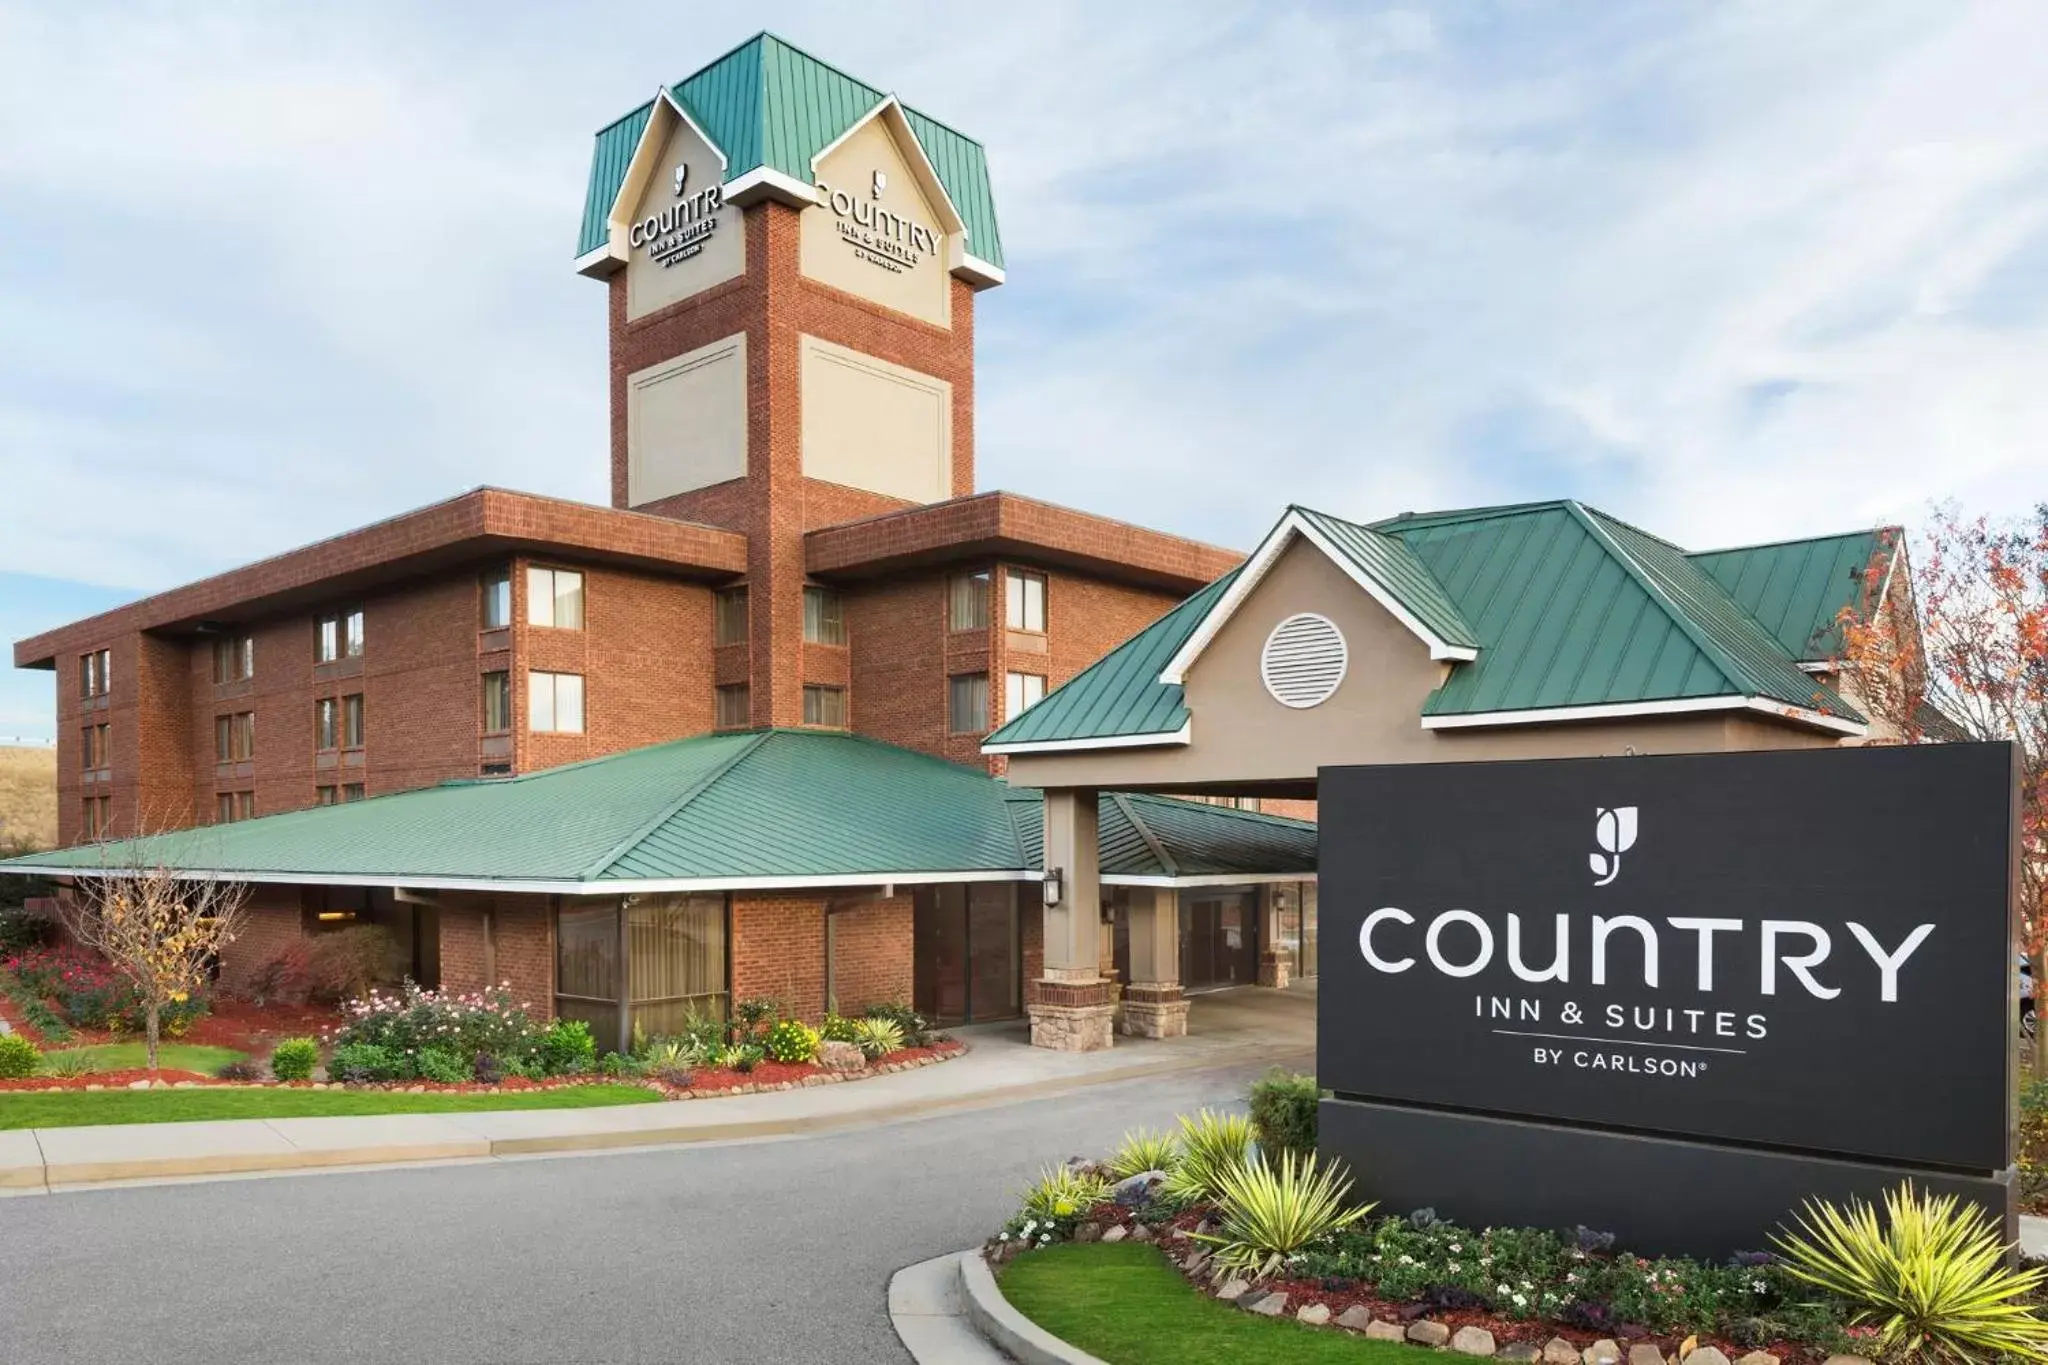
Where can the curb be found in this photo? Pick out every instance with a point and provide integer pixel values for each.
(1009, 1329)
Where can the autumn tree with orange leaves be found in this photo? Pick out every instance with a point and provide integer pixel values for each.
(1970, 663)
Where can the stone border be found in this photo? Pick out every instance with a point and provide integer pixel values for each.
(995, 1318)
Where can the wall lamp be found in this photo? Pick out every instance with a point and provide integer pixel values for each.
(1052, 887)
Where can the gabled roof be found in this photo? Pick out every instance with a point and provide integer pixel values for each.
(767, 105)
(1549, 611)
(1798, 589)
(765, 808)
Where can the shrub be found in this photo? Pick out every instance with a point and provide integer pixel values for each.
(877, 1037)
(1212, 1145)
(91, 994)
(743, 1058)
(294, 1059)
(751, 1018)
(1283, 1105)
(412, 1019)
(705, 1035)
(37, 969)
(43, 1019)
(21, 931)
(68, 1064)
(1270, 1212)
(346, 963)
(1060, 1198)
(1933, 1278)
(244, 1070)
(837, 1028)
(791, 1043)
(1145, 1150)
(443, 1066)
(18, 1057)
(358, 1063)
(566, 1048)
(487, 1069)
(916, 1029)
(284, 976)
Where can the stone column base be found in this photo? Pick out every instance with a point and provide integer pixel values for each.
(1071, 1016)
(1155, 1010)
(1273, 971)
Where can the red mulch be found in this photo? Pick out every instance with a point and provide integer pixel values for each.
(112, 1080)
(768, 1075)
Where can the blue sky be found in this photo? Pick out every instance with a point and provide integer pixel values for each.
(1734, 271)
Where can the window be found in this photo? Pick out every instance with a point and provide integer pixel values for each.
(554, 597)
(352, 721)
(93, 815)
(96, 747)
(325, 796)
(824, 705)
(735, 710)
(234, 659)
(326, 724)
(497, 587)
(351, 791)
(729, 617)
(232, 806)
(339, 637)
(497, 703)
(1026, 600)
(967, 602)
(967, 703)
(95, 673)
(1021, 692)
(497, 770)
(645, 970)
(234, 737)
(824, 617)
(554, 703)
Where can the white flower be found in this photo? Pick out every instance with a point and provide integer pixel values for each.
(1521, 1302)
(1759, 1286)
(1453, 1267)
(1502, 1290)
(1456, 1247)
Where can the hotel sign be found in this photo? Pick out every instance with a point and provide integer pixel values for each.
(880, 237)
(1803, 950)
(681, 230)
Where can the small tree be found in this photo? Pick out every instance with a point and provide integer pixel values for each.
(160, 928)
(1956, 648)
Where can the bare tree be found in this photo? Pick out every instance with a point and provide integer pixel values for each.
(160, 928)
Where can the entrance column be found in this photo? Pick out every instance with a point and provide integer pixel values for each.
(1072, 1008)
(1273, 962)
(1153, 1004)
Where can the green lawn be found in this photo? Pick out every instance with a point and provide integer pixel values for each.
(77, 1108)
(1125, 1304)
(170, 1056)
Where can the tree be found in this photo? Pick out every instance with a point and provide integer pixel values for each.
(1971, 662)
(159, 928)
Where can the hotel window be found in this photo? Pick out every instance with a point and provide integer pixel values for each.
(351, 791)
(234, 737)
(497, 587)
(824, 705)
(352, 721)
(1026, 592)
(554, 703)
(497, 770)
(339, 637)
(94, 813)
(729, 617)
(232, 806)
(967, 703)
(735, 709)
(325, 796)
(97, 747)
(824, 617)
(326, 724)
(95, 673)
(234, 659)
(643, 970)
(554, 597)
(1021, 692)
(497, 703)
(967, 602)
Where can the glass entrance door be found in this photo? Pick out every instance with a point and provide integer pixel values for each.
(966, 960)
(1219, 937)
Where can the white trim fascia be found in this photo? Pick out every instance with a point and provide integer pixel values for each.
(1184, 735)
(599, 262)
(1816, 666)
(1551, 715)
(651, 141)
(927, 174)
(537, 886)
(1891, 570)
(1254, 572)
(1209, 879)
(976, 271)
(765, 182)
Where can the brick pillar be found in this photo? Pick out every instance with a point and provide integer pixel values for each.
(1072, 1008)
(1153, 1004)
(1273, 966)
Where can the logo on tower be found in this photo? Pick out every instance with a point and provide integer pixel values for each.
(682, 175)
(1615, 831)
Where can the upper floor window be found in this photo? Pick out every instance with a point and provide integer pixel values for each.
(729, 617)
(352, 721)
(326, 724)
(96, 673)
(1026, 592)
(1021, 692)
(95, 812)
(554, 597)
(554, 703)
(234, 658)
(734, 706)
(824, 617)
(96, 747)
(967, 703)
(352, 791)
(234, 737)
(325, 796)
(340, 637)
(232, 806)
(967, 602)
(497, 603)
(824, 705)
(497, 703)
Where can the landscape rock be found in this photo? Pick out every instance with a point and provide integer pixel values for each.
(1601, 1352)
(1428, 1332)
(1706, 1355)
(1472, 1341)
(1379, 1329)
(1232, 1290)
(1523, 1351)
(138, 1085)
(1558, 1351)
(186, 1085)
(1357, 1317)
(1845, 1360)
(1115, 1234)
(1197, 1263)
(1643, 1353)
(1086, 1232)
(1314, 1314)
(1758, 1358)
(1141, 1233)
(1268, 1305)
(1136, 1190)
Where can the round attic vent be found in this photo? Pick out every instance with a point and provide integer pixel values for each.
(1304, 660)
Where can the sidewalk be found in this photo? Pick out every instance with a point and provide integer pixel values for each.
(999, 1067)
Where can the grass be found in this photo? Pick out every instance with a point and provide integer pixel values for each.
(1126, 1305)
(28, 799)
(81, 1108)
(170, 1056)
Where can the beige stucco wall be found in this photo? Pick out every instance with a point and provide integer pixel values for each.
(873, 425)
(686, 421)
(1240, 734)
(722, 255)
(885, 267)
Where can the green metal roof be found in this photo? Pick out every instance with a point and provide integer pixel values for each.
(756, 807)
(766, 103)
(1798, 589)
(1565, 605)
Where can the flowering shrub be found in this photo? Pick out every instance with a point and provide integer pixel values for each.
(837, 1028)
(89, 993)
(791, 1042)
(37, 969)
(413, 1019)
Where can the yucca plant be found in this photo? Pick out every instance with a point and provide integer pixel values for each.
(1144, 1150)
(1211, 1144)
(877, 1038)
(1933, 1278)
(1270, 1212)
(1064, 1193)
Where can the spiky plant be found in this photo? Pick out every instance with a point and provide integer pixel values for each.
(1272, 1211)
(877, 1038)
(1933, 1277)
(1211, 1145)
(1145, 1149)
(1064, 1193)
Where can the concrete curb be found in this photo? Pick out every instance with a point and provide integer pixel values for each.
(1009, 1329)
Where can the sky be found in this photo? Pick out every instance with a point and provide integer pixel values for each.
(1734, 272)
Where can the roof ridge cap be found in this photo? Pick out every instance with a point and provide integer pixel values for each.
(1255, 816)
(1877, 530)
(1680, 617)
(668, 812)
(1388, 525)
(1639, 530)
(1152, 841)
